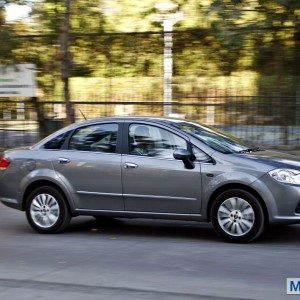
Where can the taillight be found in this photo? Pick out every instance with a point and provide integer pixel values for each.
(4, 163)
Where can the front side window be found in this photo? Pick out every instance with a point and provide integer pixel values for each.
(96, 138)
(200, 155)
(145, 140)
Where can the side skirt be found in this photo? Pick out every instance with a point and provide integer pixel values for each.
(145, 215)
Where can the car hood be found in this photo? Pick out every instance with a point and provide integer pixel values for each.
(274, 158)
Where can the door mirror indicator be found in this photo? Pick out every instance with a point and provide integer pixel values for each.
(186, 156)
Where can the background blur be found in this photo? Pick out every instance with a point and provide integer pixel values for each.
(236, 65)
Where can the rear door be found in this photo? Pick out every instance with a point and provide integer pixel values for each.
(91, 164)
(153, 181)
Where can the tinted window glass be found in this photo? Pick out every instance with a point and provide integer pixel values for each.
(57, 142)
(96, 138)
(152, 141)
(200, 155)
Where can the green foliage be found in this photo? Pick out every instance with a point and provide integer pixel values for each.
(216, 38)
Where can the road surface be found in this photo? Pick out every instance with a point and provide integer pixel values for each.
(142, 259)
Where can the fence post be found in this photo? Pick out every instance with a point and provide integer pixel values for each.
(286, 135)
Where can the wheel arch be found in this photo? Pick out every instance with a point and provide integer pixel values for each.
(231, 186)
(39, 183)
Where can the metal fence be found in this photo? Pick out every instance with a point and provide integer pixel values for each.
(18, 124)
(264, 120)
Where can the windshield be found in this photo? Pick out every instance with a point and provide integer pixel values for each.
(214, 138)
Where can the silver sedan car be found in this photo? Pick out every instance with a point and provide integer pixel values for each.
(137, 167)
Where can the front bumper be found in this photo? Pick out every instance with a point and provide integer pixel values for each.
(282, 200)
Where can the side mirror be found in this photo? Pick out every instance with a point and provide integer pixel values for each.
(186, 156)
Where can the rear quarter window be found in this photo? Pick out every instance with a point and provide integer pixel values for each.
(57, 142)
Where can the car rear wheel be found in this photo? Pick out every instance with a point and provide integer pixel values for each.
(237, 216)
(46, 210)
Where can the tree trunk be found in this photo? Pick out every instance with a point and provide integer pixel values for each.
(296, 73)
(2, 16)
(66, 61)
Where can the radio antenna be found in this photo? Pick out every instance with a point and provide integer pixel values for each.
(82, 114)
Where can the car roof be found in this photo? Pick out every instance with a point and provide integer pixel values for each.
(133, 118)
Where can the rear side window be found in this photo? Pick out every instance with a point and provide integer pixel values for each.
(57, 142)
(96, 138)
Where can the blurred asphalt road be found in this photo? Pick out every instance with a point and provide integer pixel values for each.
(142, 259)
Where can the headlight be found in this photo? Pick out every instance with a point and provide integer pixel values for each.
(286, 176)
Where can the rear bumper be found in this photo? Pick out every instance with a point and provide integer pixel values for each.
(13, 203)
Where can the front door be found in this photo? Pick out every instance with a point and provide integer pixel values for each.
(153, 181)
(92, 167)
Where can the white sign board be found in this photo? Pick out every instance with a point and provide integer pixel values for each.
(17, 80)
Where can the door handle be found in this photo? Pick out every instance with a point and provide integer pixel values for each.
(63, 160)
(128, 165)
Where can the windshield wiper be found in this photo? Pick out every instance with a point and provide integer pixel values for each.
(249, 150)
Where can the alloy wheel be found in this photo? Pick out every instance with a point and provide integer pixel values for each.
(236, 216)
(44, 210)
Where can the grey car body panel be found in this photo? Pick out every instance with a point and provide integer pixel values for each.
(282, 211)
(158, 188)
(161, 185)
(34, 166)
(273, 159)
(49, 175)
(94, 177)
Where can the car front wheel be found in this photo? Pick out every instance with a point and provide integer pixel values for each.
(46, 210)
(237, 216)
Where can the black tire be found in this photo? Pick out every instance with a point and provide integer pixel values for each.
(258, 222)
(64, 216)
